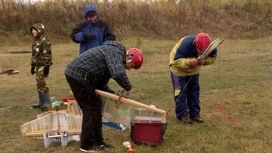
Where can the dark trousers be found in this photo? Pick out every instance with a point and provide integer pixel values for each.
(186, 91)
(90, 104)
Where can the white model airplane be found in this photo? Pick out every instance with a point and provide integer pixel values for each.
(65, 124)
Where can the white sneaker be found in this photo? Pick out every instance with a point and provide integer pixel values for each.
(90, 150)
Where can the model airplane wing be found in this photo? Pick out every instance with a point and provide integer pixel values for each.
(118, 113)
(211, 47)
(123, 111)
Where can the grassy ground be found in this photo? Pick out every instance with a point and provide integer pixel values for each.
(240, 81)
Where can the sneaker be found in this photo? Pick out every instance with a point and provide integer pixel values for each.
(89, 150)
(197, 119)
(185, 119)
(104, 146)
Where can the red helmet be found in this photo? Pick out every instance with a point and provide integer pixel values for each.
(136, 56)
(202, 41)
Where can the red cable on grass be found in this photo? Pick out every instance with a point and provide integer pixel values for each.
(228, 118)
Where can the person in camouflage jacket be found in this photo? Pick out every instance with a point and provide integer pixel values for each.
(41, 60)
(92, 70)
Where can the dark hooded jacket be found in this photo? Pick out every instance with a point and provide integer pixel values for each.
(100, 29)
(181, 55)
(41, 47)
(97, 65)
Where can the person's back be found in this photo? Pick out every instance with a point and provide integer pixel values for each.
(101, 62)
(91, 31)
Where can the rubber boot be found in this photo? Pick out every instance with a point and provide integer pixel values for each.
(45, 101)
(185, 119)
(197, 119)
(39, 104)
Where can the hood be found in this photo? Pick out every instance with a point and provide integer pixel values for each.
(39, 27)
(120, 47)
(89, 8)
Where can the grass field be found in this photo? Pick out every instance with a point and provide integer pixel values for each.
(240, 81)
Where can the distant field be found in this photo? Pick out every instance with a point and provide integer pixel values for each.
(240, 81)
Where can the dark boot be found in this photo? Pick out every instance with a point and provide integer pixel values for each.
(46, 103)
(40, 102)
(36, 106)
(185, 119)
(197, 119)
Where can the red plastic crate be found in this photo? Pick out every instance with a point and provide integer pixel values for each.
(148, 133)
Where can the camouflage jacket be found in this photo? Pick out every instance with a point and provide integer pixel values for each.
(41, 48)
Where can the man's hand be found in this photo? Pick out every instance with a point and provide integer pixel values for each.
(46, 70)
(89, 36)
(201, 61)
(126, 94)
(193, 62)
(32, 70)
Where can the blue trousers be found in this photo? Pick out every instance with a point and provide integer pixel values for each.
(186, 95)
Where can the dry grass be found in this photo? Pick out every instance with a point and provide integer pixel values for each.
(159, 19)
(240, 80)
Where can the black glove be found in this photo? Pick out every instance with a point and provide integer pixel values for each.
(89, 36)
(32, 70)
(46, 70)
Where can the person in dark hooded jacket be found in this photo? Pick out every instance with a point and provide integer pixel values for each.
(92, 70)
(92, 31)
(41, 60)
